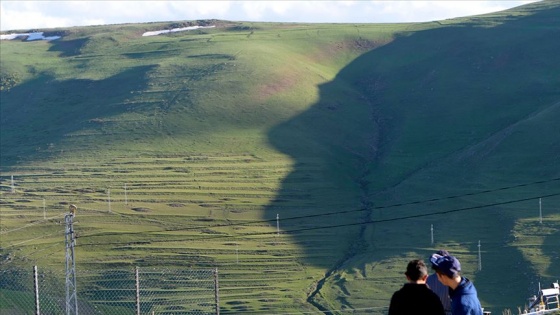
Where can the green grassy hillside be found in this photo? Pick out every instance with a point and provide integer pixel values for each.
(358, 137)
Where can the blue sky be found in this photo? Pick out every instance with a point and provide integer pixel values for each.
(24, 15)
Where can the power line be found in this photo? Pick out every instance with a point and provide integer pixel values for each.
(43, 249)
(429, 214)
(341, 212)
(36, 238)
(349, 224)
(385, 207)
(38, 251)
(233, 261)
(30, 225)
(325, 214)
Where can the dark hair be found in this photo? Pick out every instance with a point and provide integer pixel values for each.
(416, 269)
(450, 275)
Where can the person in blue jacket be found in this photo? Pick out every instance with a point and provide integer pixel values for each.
(464, 299)
(439, 288)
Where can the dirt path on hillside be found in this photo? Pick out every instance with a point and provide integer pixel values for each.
(478, 151)
(359, 245)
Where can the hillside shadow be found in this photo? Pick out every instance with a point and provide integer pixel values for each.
(69, 48)
(33, 124)
(415, 101)
(552, 250)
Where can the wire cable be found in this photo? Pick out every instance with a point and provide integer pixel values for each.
(347, 224)
(33, 239)
(339, 212)
(30, 224)
(28, 256)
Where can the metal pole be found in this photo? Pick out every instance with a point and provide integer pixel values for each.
(109, 199)
(216, 291)
(137, 293)
(479, 258)
(71, 292)
(36, 287)
(540, 210)
(432, 230)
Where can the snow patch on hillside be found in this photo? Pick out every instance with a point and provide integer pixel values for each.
(39, 35)
(30, 36)
(182, 29)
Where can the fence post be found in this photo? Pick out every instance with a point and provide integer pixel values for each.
(36, 287)
(137, 292)
(216, 291)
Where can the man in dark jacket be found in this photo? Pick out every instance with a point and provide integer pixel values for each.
(415, 297)
(464, 299)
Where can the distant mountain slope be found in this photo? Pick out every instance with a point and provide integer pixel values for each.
(368, 136)
(469, 106)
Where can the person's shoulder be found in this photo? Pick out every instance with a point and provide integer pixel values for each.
(424, 289)
(467, 285)
(398, 293)
(431, 293)
(432, 280)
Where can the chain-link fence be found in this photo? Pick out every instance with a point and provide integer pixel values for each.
(135, 291)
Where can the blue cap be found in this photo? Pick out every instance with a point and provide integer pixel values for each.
(449, 265)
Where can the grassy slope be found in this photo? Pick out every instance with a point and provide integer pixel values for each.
(202, 103)
(285, 112)
(473, 108)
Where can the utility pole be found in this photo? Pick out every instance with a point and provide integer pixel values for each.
(137, 277)
(432, 230)
(216, 291)
(277, 224)
(125, 198)
(36, 287)
(540, 210)
(71, 295)
(479, 258)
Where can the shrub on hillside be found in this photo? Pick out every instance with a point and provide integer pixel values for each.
(9, 80)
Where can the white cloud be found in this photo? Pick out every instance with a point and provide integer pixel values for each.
(255, 11)
(27, 17)
(49, 14)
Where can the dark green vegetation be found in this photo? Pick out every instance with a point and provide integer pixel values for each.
(365, 135)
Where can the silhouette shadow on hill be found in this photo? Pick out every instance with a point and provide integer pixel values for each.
(34, 123)
(413, 104)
